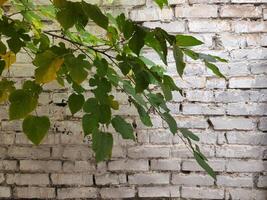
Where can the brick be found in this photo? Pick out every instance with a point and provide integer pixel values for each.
(81, 192)
(255, 53)
(2, 178)
(5, 192)
(251, 109)
(246, 166)
(72, 179)
(78, 166)
(146, 179)
(110, 179)
(191, 165)
(209, 26)
(200, 193)
(151, 14)
(182, 151)
(8, 165)
(166, 164)
(248, 82)
(238, 123)
(249, 138)
(29, 152)
(240, 11)
(191, 122)
(239, 151)
(247, 194)
(235, 180)
(202, 109)
(208, 1)
(196, 11)
(173, 27)
(128, 165)
(249, 26)
(162, 191)
(249, 1)
(160, 136)
(215, 83)
(262, 182)
(124, 3)
(28, 179)
(41, 166)
(122, 192)
(148, 152)
(35, 192)
(263, 124)
(199, 96)
(192, 180)
(231, 95)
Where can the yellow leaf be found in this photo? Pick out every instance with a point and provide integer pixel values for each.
(2, 2)
(48, 73)
(9, 58)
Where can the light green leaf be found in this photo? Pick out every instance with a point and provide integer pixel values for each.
(204, 165)
(214, 69)
(35, 128)
(122, 127)
(161, 3)
(75, 102)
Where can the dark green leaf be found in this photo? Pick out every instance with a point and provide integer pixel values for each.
(144, 116)
(102, 145)
(91, 105)
(214, 69)
(89, 123)
(142, 81)
(105, 115)
(186, 40)
(122, 127)
(22, 103)
(2, 48)
(204, 165)
(35, 128)
(171, 122)
(188, 134)
(95, 14)
(75, 102)
(137, 42)
(179, 59)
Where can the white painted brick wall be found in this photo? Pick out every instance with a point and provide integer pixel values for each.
(229, 116)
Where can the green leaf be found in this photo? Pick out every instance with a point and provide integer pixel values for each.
(91, 105)
(66, 18)
(137, 42)
(125, 26)
(144, 116)
(179, 59)
(75, 102)
(122, 127)
(101, 66)
(22, 103)
(102, 145)
(141, 81)
(105, 115)
(188, 134)
(214, 69)
(171, 122)
(192, 54)
(204, 165)
(2, 48)
(89, 123)
(161, 3)
(95, 14)
(35, 128)
(186, 40)
(6, 88)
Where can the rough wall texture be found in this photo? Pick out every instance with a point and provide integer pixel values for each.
(229, 116)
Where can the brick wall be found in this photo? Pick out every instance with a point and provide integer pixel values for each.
(229, 116)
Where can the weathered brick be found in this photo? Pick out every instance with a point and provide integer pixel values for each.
(246, 166)
(196, 11)
(163, 191)
(249, 26)
(202, 109)
(29, 152)
(122, 192)
(42, 166)
(28, 179)
(235, 180)
(248, 82)
(81, 192)
(72, 179)
(251, 109)
(149, 152)
(249, 138)
(192, 180)
(151, 178)
(8, 165)
(209, 26)
(191, 165)
(263, 124)
(35, 193)
(247, 194)
(78, 166)
(128, 165)
(241, 11)
(166, 164)
(262, 182)
(110, 179)
(238, 123)
(5, 192)
(239, 151)
(200, 193)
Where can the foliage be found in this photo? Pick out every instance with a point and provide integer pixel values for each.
(112, 61)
